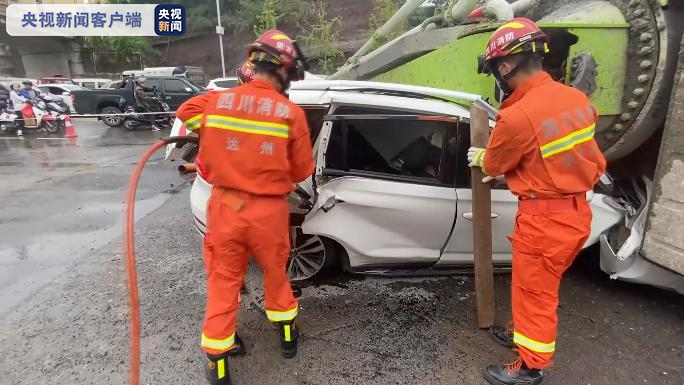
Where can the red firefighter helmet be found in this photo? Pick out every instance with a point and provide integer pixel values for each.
(519, 35)
(245, 73)
(276, 47)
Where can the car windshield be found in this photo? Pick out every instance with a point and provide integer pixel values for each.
(196, 86)
(72, 87)
(57, 81)
(226, 83)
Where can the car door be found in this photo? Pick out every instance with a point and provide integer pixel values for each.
(176, 92)
(382, 189)
(459, 249)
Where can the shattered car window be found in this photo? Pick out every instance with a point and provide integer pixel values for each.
(411, 148)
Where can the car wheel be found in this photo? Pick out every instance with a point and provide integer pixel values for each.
(310, 254)
(111, 121)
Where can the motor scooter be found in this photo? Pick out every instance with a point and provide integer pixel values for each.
(32, 114)
(135, 118)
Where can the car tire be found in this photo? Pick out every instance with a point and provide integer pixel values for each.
(111, 121)
(310, 255)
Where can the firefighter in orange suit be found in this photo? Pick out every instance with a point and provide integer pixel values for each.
(254, 145)
(245, 73)
(543, 143)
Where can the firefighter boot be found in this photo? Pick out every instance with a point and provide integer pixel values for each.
(216, 369)
(516, 373)
(289, 334)
(238, 348)
(503, 336)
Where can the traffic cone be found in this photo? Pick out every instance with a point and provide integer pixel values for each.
(70, 130)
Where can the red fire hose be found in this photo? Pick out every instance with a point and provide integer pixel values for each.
(129, 246)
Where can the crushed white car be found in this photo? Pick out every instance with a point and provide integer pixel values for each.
(391, 188)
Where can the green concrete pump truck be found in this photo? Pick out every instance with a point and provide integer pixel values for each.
(627, 55)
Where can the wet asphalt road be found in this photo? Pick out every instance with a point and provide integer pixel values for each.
(63, 310)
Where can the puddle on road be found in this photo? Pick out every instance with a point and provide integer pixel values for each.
(29, 265)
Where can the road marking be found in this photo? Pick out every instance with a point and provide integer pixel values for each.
(52, 138)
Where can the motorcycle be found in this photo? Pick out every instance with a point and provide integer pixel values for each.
(37, 116)
(55, 104)
(32, 114)
(134, 116)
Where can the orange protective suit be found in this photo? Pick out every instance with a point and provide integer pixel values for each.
(254, 145)
(543, 142)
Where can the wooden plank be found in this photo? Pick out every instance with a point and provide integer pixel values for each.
(482, 224)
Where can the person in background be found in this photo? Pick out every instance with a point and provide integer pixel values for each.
(245, 73)
(27, 92)
(15, 98)
(15, 101)
(147, 103)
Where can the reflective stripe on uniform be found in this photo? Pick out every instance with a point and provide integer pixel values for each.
(247, 126)
(535, 346)
(568, 142)
(221, 368)
(281, 315)
(193, 123)
(215, 344)
(288, 334)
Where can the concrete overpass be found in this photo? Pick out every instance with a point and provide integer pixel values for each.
(34, 57)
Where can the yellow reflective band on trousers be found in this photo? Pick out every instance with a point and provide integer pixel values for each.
(281, 315)
(215, 344)
(568, 142)
(193, 123)
(221, 368)
(248, 126)
(535, 346)
(288, 335)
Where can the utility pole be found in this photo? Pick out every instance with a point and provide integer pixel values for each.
(219, 32)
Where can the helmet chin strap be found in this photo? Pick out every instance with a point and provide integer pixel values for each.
(502, 80)
(501, 83)
(284, 84)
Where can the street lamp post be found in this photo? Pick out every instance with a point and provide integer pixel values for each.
(219, 32)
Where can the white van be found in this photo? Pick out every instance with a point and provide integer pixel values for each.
(92, 83)
(194, 75)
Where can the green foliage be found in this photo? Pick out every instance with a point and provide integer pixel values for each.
(248, 13)
(322, 37)
(110, 53)
(382, 11)
(239, 15)
(268, 18)
(121, 45)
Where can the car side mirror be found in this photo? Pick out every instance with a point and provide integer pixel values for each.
(188, 89)
(66, 93)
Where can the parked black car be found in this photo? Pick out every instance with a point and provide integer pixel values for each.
(172, 90)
